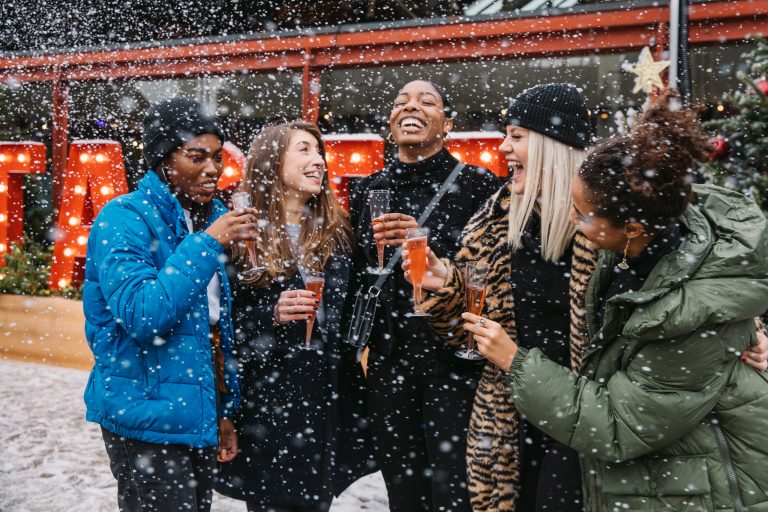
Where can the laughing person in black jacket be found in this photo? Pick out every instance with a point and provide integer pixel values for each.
(419, 394)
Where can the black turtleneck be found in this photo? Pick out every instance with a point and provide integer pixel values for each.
(411, 188)
(541, 296)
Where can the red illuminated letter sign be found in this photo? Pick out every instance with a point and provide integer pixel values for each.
(16, 159)
(95, 174)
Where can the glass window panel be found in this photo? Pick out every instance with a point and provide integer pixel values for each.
(359, 100)
(115, 109)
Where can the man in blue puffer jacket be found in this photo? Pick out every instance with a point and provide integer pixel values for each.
(157, 307)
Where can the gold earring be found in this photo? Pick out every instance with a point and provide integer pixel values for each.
(623, 265)
(390, 139)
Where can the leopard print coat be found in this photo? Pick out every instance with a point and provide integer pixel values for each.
(492, 441)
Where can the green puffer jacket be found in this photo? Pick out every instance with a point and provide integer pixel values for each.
(664, 414)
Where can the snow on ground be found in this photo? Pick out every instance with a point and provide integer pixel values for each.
(52, 460)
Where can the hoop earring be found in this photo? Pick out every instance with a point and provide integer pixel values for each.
(623, 265)
(390, 139)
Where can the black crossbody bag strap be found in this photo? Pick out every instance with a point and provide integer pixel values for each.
(364, 311)
(376, 288)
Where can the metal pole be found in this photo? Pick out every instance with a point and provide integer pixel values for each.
(674, 41)
(683, 58)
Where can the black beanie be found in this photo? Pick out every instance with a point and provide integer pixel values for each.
(556, 110)
(170, 124)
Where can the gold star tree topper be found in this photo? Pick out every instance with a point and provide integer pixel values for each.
(647, 71)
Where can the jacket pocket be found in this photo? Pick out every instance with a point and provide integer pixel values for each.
(655, 483)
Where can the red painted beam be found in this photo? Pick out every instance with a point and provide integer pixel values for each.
(599, 31)
(59, 139)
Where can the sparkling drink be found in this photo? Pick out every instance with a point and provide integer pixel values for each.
(242, 201)
(378, 202)
(476, 280)
(416, 245)
(315, 282)
(417, 253)
(475, 299)
(379, 248)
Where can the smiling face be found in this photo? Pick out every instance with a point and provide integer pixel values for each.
(599, 230)
(418, 120)
(193, 170)
(303, 166)
(515, 150)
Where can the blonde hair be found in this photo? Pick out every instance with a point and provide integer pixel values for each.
(550, 169)
(326, 230)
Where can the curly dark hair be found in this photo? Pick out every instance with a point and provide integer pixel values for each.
(646, 176)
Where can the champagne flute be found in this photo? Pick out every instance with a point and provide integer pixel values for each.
(314, 282)
(242, 201)
(416, 244)
(378, 202)
(475, 281)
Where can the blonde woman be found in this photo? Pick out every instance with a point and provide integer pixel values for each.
(301, 423)
(539, 267)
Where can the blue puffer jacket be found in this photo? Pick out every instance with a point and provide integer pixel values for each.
(147, 322)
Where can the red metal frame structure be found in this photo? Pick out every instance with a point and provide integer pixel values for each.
(595, 29)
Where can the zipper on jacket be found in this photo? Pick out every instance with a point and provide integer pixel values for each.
(730, 473)
(596, 501)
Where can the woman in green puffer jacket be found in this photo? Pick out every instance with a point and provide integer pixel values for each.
(662, 413)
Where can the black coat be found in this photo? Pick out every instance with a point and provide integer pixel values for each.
(411, 188)
(301, 424)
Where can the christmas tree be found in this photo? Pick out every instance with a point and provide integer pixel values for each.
(740, 150)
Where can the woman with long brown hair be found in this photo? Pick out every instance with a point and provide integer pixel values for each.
(298, 405)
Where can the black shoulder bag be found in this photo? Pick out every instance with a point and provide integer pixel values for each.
(366, 303)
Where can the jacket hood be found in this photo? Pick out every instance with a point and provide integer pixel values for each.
(719, 273)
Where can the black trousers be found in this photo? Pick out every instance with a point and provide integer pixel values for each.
(550, 474)
(419, 411)
(160, 477)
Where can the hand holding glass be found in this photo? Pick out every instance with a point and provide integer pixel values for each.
(416, 244)
(242, 201)
(378, 202)
(314, 282)
(475, 280)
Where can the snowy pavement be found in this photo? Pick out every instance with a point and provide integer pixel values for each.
(52, 460)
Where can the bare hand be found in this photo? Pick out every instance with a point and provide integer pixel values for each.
(295, 305)
(435, 274)
(227, 440)
(390, 228)
(234, 226)
(756, 356)
(492, 340)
